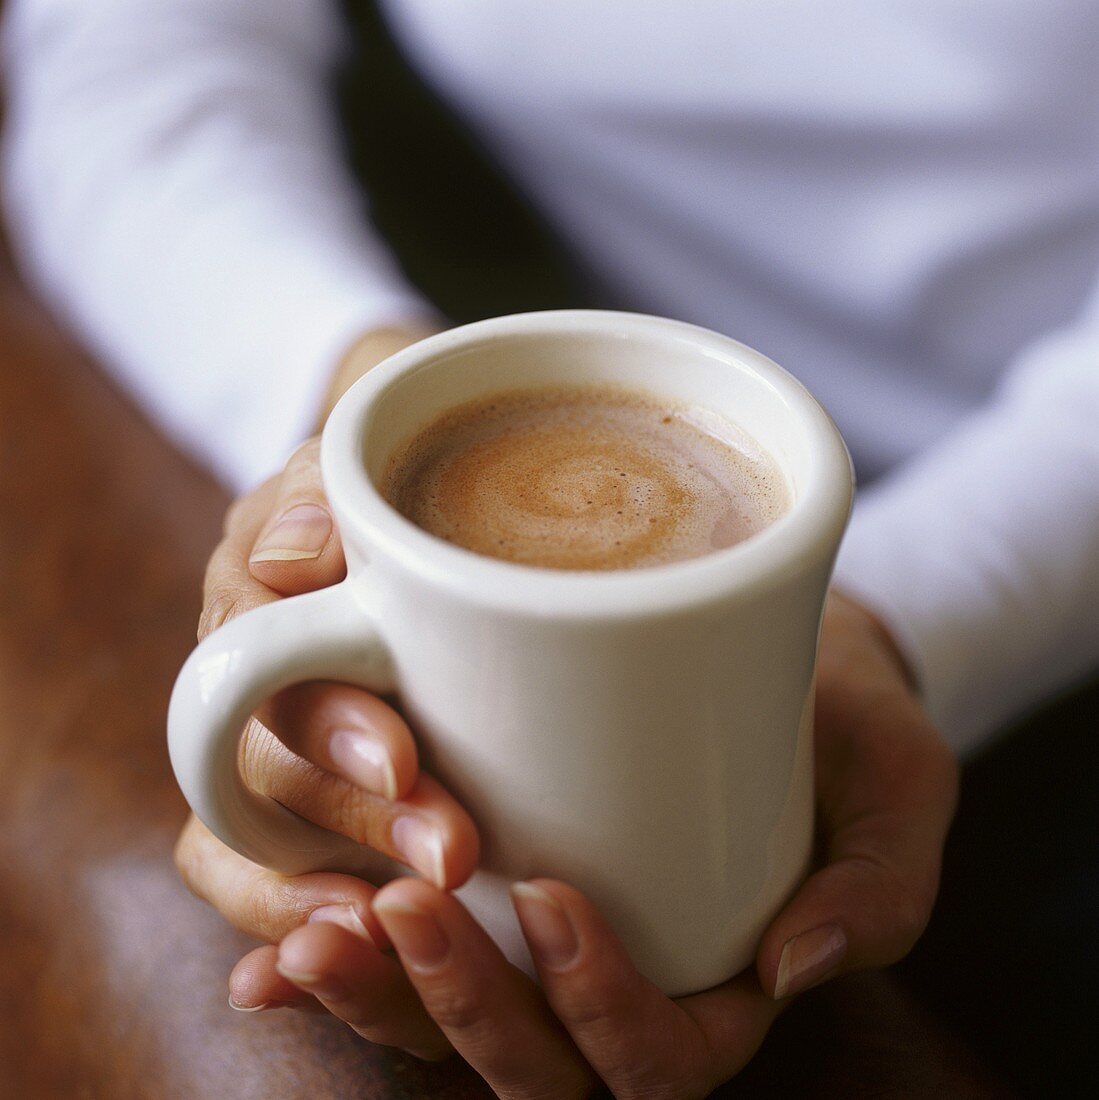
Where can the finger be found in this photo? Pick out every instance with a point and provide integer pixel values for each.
(298, 548)
(426, 829)
(887, 789)
(229, 589)
(734, 1018)
(363, 987)
(267, 905)
(355, 738)
(492, 1014)
(348, 732)
(639, 1041)
(256, 985)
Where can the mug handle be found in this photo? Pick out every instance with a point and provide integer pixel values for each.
(325, 635)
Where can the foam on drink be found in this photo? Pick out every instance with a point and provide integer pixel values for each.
(584, 478)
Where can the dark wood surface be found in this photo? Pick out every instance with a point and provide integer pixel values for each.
(113, 977)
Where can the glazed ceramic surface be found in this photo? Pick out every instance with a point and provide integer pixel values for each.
(645, 735)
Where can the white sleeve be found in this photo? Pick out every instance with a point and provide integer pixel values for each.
(175, 188)
(982, 554)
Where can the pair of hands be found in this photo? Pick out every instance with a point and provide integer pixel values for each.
(406, 966)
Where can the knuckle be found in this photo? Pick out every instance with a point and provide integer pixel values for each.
(353, 812)
(266, 765)
(907, 906)
(266, 910)
(589, 1014)
(596, 1009)
(455, 1009)
(259, 910)
(898, 904)
(273, 905)
(640, 1073)
(305, 454)
(270, 768)
(222, 604)
(306, 788)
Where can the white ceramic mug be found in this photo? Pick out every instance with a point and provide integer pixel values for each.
(645, 735)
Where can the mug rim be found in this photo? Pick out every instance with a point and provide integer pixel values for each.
(814, 521)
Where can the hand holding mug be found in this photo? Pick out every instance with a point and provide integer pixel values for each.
(885, 812)
(885, 789)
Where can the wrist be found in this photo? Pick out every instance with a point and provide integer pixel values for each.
(367, 352)
(856, 616)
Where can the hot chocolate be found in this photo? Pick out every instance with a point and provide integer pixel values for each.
(585, 478)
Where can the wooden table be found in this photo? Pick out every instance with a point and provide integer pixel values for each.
(113, 976)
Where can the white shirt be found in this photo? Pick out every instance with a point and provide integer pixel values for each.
(899, 202)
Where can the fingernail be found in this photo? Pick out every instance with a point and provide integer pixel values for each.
(365, 761)
(343, 915)
(325, 986)
(809, 958)
(549, 932)
(421, 847)
(417, 935)
(256, 1008)
(300, 532)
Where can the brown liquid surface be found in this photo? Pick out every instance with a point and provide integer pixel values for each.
(584, 478)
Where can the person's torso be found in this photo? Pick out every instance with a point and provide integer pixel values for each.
(890, 199)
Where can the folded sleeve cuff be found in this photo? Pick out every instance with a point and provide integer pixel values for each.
(982, 554)
(271, 400)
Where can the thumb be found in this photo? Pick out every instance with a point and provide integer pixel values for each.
(299, 549)
(887, 786)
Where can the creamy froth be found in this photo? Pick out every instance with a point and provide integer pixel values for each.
(583, 478)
